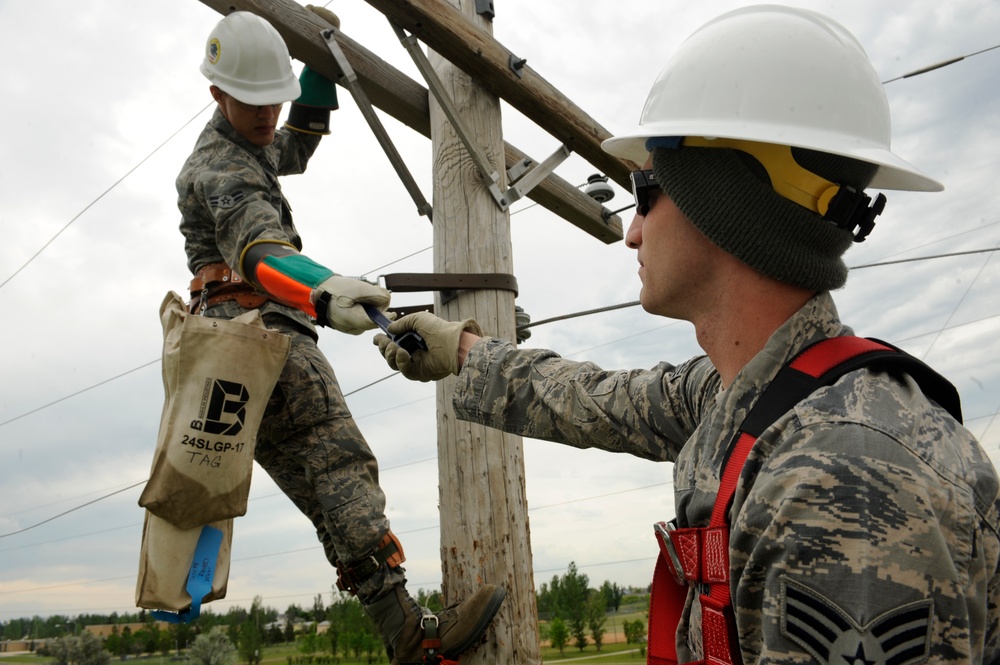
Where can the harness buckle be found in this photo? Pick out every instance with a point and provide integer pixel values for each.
(662, 530)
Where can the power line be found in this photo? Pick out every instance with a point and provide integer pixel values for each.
(67, 512)
(939, 65)
(959, 303)
(79, 392)
(258, 498)
(925, 258)
(101, 196)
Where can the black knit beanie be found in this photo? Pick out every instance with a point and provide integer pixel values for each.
(727, 195)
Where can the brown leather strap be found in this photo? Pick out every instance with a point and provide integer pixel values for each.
(219, 283)
(351, 576)
(416, 281)
(211, 275)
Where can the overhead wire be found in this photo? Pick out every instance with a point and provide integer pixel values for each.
(939, 65)
(961, 300)
(101, 196)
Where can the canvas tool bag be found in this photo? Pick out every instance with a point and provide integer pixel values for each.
(171, 564)
(217, 377)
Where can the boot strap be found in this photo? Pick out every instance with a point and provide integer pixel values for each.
(351, 577)
(431, 643)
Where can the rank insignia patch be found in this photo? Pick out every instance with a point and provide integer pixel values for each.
(899, 636)
(227, 200)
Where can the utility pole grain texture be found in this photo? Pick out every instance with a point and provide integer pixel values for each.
(484, 521)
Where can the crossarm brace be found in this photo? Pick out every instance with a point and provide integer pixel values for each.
(365, 105)
(489, 174)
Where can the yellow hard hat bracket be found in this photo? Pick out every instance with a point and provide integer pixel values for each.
(843, 205)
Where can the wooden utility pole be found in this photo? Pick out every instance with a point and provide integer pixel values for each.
(484, 520)
(484, 525)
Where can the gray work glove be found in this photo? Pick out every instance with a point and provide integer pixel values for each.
(338, 303)
(441, 357)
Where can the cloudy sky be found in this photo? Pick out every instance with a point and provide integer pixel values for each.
(103, 101)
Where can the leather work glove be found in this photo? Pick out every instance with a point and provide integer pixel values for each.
(338, 303)
(441, 357)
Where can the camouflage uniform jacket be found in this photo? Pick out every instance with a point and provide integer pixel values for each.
(229, 196)
(865, 526)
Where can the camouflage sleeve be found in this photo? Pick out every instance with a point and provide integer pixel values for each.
(294, 149)
(535, 393)
(854, 547)
(244, 205)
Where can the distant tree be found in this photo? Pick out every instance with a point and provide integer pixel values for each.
(289, 630)
(371, 645)
(146, 639)
(125, 645)
(213, 648)
(319, 610)
(573, 604)
(181, 634)
(165, 642)
(558, 634)
(294, 612)
(597, 608)
(250, 643)
(237, 615)
(634, 631)
(83, 649)
(111, 642)
(613, 594)
(309, 644)
(350, 626)
(548, 599)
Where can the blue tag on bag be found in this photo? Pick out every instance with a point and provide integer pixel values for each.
(199, 584)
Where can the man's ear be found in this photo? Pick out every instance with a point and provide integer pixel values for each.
(217, 93)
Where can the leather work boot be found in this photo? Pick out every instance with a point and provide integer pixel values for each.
(460, 627)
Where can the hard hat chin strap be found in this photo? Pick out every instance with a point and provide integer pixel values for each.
(843, 205)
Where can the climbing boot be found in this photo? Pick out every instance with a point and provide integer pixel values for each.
(415, 635)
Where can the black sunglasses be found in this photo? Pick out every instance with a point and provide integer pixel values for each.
(642, 182)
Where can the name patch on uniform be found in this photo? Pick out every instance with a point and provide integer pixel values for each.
(227, 200)
(831, 635)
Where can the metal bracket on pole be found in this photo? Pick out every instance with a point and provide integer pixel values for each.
(489, 174)
(485, 8)
(350, 80)
(526, 179)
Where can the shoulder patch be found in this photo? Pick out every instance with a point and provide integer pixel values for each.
(900, 636)
(227, 200)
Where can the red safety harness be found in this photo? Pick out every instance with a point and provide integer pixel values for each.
(700, 555)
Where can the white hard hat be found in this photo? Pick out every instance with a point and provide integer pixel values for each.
(775, 75)
(247, 58)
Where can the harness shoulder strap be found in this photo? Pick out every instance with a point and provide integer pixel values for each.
(818, 365)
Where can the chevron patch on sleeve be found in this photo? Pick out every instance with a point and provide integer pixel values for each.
(898, 637)
(227, 200)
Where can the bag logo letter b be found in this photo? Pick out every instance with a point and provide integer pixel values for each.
(226, 407)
